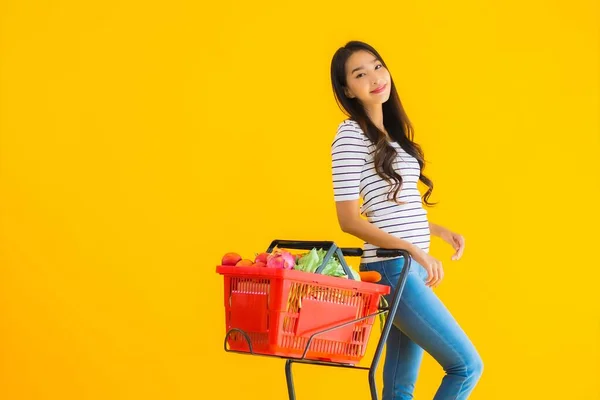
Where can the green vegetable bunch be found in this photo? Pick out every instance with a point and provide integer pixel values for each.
(310, 261)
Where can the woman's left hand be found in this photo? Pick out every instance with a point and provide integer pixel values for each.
(456, 241)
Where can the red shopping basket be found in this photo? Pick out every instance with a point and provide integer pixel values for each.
(298, 314)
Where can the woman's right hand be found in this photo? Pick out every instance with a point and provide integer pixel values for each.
(435, 272)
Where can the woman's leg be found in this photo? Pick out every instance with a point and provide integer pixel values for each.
(403, 358)
(402, 362)
(422, 317)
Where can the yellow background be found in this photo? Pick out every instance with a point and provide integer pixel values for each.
(141, 141)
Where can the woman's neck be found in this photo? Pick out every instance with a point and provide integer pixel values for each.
(376, 116)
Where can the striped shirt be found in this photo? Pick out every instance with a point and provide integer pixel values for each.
(354, 177)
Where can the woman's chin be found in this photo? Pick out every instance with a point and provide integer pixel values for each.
(380, 99)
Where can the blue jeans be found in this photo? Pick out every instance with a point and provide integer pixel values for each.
(423, 322)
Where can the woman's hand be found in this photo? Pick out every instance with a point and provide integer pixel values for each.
(455, 240)
(435, 272)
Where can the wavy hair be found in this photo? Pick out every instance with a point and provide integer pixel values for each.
(395, 121)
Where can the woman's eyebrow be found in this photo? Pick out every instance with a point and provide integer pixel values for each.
(362, 66)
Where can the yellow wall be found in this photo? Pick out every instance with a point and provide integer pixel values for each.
(139, 142)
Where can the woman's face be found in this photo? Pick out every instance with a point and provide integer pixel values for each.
(364, 75)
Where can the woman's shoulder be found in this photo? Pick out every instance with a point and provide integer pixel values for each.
(349, 133)
(350, 123)
(349, 127)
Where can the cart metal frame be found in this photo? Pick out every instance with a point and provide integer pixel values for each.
(390, 310)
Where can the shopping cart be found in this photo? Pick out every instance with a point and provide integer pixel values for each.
(308, 318)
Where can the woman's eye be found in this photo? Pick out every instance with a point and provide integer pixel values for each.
(376, 67)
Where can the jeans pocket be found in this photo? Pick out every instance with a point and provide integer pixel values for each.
(423, 274)
(418, 269)
(393, 268)
(388, 274)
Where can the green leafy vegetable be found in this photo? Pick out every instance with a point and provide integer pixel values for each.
(314, 258)
(383, 316)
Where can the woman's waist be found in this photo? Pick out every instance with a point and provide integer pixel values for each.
(414, 208)
(383, 218)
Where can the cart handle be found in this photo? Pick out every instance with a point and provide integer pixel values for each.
(326, 244)
(392, 253)
(383, 253)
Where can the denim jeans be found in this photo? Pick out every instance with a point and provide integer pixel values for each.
(423, 322)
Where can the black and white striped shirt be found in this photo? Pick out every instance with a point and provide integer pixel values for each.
(354, 177)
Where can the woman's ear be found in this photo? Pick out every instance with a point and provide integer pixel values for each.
(348, 93)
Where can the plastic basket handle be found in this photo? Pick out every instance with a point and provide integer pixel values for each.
(340, 256)
(330, 246)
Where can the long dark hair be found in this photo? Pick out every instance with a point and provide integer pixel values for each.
(395, 121)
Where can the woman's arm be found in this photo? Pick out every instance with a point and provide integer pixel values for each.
(436, 230)
(350, 222)
(454, 239)
(368, 232)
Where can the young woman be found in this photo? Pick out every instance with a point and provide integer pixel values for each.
(374, 157)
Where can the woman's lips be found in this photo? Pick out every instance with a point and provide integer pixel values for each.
(379, 90)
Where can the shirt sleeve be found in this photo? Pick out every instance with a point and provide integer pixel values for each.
(348, 152)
